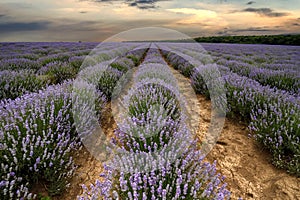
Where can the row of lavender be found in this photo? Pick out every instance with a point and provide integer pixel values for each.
(20, 62)
(273, 114)
(276, 66)
(49, 64)
(37, 132)
(156, 156)
(265, 56)
(279, 69)
(34, 51)
(33, 56)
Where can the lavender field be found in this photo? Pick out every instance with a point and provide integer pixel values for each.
(54, 98)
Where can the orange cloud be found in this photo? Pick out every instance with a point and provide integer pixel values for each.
(207, 19)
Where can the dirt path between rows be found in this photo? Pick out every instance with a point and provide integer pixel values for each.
(89, 168)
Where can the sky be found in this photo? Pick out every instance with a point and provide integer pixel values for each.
(98, 20)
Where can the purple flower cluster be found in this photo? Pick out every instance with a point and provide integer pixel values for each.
(104, 77)
(123, 64)
(61, 57)
(155, 70)
(178, 63)
(16, 83)
(188, 177)
(110, 51)
(18, 64)
(31, 144)
(281, 78)
(154, 112)
(153, 56)
(137, 54)
(129, 59)
(76, 61)
(33, 51)
(87, 106)
(56, 72)
(276, 66)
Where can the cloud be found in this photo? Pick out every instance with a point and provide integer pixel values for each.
(141, 4)
(1, 15)
(97, 31)
(144, 23)
(198, 17)
(60, 29)
(293, 24)
(106, 0)
(199, 13)
(73, 26)
(265, 12)
(23, 26)
(250, 31)
(251, 2)
(17, 5)
(132, 4)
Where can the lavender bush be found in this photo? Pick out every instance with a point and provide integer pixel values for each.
(153, 114)
(76, 61)
(136, 55)
(18, 64)
(59, 57)
(282, 78)
(104, 77)
(153, 56)
(37, 139)
(158, 71)
(123, 64)
(57, 72)
(16, 83)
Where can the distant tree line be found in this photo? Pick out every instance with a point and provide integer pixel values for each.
(261, 39)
